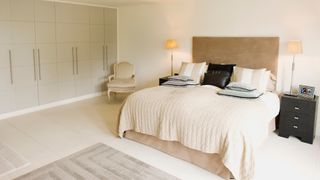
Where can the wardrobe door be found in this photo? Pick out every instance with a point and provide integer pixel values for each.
(47, 73)
(83, 69)
(98, 66)
(97, 39)
(24, 56)
(24, 75)
(111, 38)
(65, 51)
(46, 51)
(66, 70)
(6, 80)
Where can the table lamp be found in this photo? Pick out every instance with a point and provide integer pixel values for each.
(294, 48)
(171, 44)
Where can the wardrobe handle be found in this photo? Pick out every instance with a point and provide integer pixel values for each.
(73, 60)
(77, 61)
(104, 57)
(107, 59)
(39, 61)
(34, 65)
(10, 63)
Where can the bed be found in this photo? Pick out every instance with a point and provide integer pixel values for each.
(218, 133)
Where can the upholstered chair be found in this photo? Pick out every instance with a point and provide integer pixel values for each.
(123, 79)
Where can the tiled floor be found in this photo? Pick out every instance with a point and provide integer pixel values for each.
(49, 135)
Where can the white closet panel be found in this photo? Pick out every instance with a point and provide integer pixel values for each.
(110, 16)
(45, 32)
(23, 55)
(65, 72)
(23, 32)
(48, 92)
(97, 33)
(98, 66)
(5, 56)
(5, 79)
(83, 50)
(25, 96)
(5, 13)
(44, 11)
(65, 32)
(22, 10)
(47, 53)
(7, 99)
(64, 52)
(67, 89)
(81, 33)
(84, 86)
(69, 13)
(5, 32)
(24, 76)
(96, 15)
(99, 75)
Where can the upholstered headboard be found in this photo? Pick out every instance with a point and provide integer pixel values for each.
(250, 52)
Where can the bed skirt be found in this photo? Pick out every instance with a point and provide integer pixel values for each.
(209, 162)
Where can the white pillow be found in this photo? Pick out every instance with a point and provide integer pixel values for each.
(193, 70)
(186, 69)
(256, 77)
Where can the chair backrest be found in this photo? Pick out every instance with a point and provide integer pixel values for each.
(123, 70)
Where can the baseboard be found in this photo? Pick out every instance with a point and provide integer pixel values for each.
(47, 106)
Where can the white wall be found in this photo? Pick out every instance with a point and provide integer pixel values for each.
(143, 30)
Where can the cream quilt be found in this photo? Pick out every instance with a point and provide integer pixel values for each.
(200, 119)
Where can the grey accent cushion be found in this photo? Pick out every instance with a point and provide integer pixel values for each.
(180, 78)
(241, 94)
(240, 87)
(178, 83)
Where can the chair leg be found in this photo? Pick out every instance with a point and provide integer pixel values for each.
(109, 94)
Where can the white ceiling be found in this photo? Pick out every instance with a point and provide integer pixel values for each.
(115, 3)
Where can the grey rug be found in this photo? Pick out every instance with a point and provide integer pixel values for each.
(10, 160)
(97, 162)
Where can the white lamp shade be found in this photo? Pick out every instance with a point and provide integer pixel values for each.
(295, 47)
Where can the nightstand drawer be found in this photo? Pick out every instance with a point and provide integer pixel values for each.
(294, 123)
(297, 106)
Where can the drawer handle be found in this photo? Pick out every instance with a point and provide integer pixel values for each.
(296, 108)
(296, 118)
(296, 127)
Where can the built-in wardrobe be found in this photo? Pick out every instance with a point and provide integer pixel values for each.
(52, 51)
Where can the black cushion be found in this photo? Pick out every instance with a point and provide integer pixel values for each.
(217, 78)
(221, 67)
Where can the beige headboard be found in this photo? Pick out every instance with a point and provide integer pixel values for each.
(250, 52)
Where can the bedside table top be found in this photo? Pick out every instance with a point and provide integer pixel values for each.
(165, 77)
(300, 98)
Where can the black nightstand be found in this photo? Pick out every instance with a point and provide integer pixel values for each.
(163, 80)
(298, 117)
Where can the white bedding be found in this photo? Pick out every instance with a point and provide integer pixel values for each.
(200, 119)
